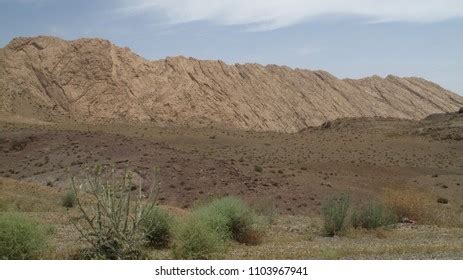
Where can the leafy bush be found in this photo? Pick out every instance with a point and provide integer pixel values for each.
(258, 168)
(194, 240)
(233, 219)
(112, 222)
(69, 199)
(373, 216)
(158, 228)
(20, 238)
(334, 212)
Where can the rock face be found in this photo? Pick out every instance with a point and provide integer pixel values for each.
(92, 80)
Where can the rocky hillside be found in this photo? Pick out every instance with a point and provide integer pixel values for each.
(92, 80)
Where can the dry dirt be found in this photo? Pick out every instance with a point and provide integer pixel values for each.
(361, 157)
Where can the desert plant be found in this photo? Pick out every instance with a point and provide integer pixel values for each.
(258, 168)
(335, 212)
(20, 237)
(373, 216)
(421, 207)
(234, 219)
(112, 222)
(266, 208)
(442, 200)
(69, 199)
(411, 204)
(195, 240)
(158, 228)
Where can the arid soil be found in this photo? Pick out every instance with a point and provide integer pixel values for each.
(276, 137)
(295, 172)
(361, 157)
(92, 80)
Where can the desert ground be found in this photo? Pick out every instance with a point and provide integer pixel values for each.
(294, 173)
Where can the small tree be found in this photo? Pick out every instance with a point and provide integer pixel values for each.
(111, 220)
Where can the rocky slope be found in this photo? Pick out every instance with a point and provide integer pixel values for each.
(92, 80)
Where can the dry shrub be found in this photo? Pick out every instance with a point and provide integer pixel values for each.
(411, 204)
(266, 208)
(69, 199)
(421, 207)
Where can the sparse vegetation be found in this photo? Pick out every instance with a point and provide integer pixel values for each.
(112, 223)
(422, 207)
(158, 225)
(20, 237)
(442, 200)
(373, 216)
(297, 175)
(69, 199)
(258, 168)
(194, 240)
(411, 204)
(334, 211)
(267, 209)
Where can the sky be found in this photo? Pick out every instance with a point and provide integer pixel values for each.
(349, 38)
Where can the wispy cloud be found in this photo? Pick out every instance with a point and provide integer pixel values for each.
(305, 50)
(274, 14)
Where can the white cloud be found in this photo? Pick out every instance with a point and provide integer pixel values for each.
(273, 14)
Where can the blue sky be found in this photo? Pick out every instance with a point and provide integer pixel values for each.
(354, 38)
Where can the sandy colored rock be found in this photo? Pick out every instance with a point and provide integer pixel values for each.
(92, 80)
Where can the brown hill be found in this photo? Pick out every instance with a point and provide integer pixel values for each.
(92, 80)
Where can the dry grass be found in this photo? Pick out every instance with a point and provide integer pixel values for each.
(410, 204)
(44, 205)
(28, 197)
(290, 237)
(421, 207)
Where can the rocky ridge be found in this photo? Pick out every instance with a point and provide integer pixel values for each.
(92, 80)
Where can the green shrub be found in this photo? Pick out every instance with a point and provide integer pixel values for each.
(206, 233)
(334, 212)
(373, 216)
(69, 199)
(195, 240)
(258, 168)
(21, 238)
(233, 219)
(158, 228)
